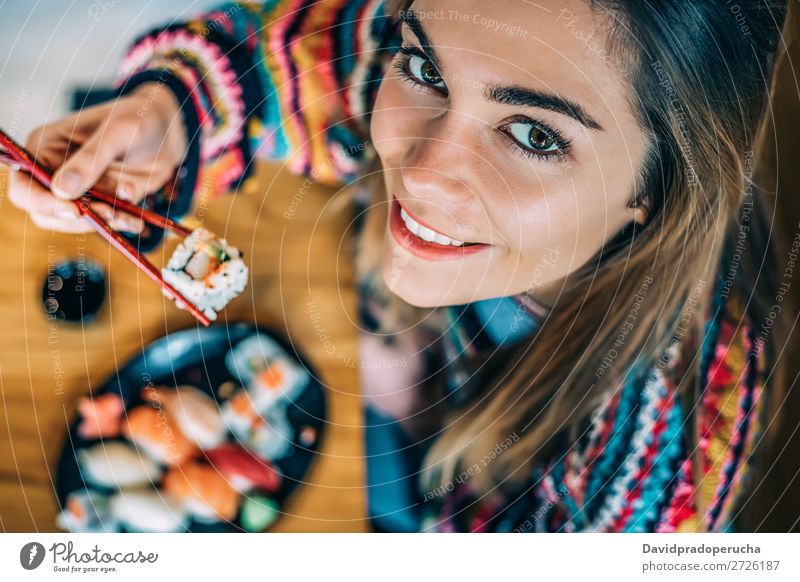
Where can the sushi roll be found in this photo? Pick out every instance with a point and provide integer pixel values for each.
(117, 465)
(272, 438)
(268, 434)
(86, 512)
(155, 433)
(203, 491)
(148, 511)
(208, 271)
(252, 355)
(280, 381)
(270, 376)
(196, 414)
(240, 414)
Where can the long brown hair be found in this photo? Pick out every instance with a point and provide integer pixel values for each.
(700, 88)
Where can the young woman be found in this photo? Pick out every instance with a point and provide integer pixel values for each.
(558, 235)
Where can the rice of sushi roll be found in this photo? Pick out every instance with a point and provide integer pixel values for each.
(208, 271)
(86, 511)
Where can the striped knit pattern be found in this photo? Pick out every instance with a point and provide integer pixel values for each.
(294, 81)
(290, 81)
(631, 471)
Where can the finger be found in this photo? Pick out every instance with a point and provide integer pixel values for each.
(55, 225)
(73, 222)
(83, 168)
(133, 183)
(117, 220)
(26, 194)
(130, 191)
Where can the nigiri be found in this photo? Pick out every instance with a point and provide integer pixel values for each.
(155, 433)
(203, 491)
(148, 511)
(243, 469)
(101, 415)
(117, 465)
(197, 415)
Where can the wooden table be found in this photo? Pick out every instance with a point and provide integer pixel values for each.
(302, 284)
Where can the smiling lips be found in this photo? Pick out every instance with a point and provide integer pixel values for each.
(423, 241)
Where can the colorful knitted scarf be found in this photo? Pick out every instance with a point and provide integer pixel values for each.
(630, 470)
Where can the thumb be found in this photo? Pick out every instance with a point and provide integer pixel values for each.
(83, 168)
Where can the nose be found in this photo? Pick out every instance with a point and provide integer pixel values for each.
(438, 165)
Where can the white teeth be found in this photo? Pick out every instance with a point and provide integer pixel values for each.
(426, 233)
(441, 239)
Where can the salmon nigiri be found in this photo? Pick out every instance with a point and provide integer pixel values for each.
(158, 435)
(203, 491)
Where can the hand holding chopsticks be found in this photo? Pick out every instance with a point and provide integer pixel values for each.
(17, 157)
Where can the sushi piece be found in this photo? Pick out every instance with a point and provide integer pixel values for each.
(155, 433)
(203, 491)
(272, 438)
(243, 469)
(258, 513)
(101, 416)
(198, 416)
(268, 434)
(265, 369)
(117, 465)
(239, 413)
(208, 271)
(86, 512)
(252, 355)
(281, 381)
(148, 511)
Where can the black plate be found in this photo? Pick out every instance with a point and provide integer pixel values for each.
(197, 357)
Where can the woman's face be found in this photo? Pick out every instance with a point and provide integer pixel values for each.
(505, 126)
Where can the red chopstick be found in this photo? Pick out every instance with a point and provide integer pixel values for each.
(18, 157)
(21, 158)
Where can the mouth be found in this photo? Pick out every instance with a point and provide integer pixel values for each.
(423, 241)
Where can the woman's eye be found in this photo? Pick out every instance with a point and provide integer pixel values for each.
(424, 71)
(533, 137)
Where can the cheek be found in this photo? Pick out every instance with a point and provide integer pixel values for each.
(532, 212)
(394, 119)
(564, 223)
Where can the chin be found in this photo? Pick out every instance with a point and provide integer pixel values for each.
(408, 289)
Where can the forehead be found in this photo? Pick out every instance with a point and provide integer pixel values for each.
(557, 45)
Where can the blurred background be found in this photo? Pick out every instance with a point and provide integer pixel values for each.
(51, 49)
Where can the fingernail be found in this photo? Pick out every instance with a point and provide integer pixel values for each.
(124, 192)
(68, 185)
(65, 213)
(131, 225)
(104, 212)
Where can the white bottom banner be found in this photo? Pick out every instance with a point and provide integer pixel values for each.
(356, 557)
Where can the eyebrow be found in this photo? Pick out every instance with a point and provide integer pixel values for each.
(505, 95)
(529, 98)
